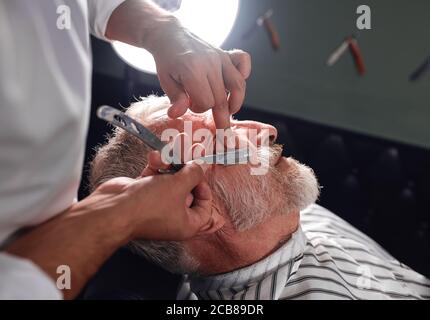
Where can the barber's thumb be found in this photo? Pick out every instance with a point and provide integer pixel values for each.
(179, 105)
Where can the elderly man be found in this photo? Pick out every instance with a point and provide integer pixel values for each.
(267, 240)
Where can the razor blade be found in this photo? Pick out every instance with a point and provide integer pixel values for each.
(229, 158)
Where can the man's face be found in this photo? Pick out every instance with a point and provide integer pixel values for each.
(246, 199)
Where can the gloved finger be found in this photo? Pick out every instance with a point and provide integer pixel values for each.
(235, 84)
(177, 95)
(220, 111)
(199, 91)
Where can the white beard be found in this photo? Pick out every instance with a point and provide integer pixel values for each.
(249, 200)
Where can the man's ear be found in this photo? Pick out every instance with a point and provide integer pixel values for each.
(218, 221)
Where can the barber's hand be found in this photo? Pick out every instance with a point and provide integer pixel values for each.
(120, 210)
(159, 207)
(198, 76)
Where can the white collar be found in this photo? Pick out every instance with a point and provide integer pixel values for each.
(233, 283)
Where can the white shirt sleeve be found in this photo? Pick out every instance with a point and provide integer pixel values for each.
(20, 279)
(99, 12)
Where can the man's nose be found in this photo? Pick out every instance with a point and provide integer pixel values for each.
(267, 134)
(273, 132)
(264, 131)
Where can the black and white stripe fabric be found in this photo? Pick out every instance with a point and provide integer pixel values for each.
(326, 258)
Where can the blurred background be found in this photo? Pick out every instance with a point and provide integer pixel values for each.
(366, 136)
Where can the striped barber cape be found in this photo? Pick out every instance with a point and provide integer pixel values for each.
(326, 258)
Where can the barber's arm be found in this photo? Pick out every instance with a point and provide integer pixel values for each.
(193, 73)
(118, 211)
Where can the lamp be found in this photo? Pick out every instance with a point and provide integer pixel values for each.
(211, 20)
